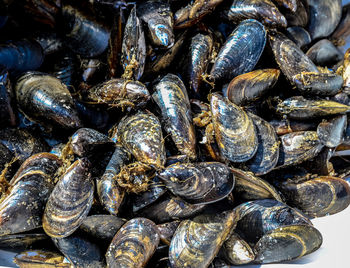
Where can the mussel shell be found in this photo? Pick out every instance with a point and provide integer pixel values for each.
(324, 53)
(87, 141)
(134, 46)
(164, 59)
(297, 147)
(283, 126)
(84, 35)
(7, 156)
(70, 201)
(287, 4)
(156, 189)
(160, 21)
(7, 116)
(331, 133)
(27, 240)
(134, 244)
(249, 87)
(141, 135)
(196, 242)
(258, 217)
(241, 51)
(235, 132)
(199, 183)
(323, 84)
(108, 190)
(171, 208)
(237, 251)
(46, 99)
(317, 197)
(41, 258)
(22, 208)
(287, 243)
(80, 251)
(266, 156)
(299, 15)
(346, 72)
(21, 142)
(341, 34)
(289, 57)
(320, 164)
(110, 92)
(300, 108)
(299, 36)
(199, 53)
(262, 10)
(22, 55)
(171, 97)
(167, 230)
(194, 12)
(324, 17)
(102, 227)
(250, 187)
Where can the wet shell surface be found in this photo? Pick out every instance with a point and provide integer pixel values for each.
(70, 201)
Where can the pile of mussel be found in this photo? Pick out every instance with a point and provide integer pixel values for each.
(171, 133)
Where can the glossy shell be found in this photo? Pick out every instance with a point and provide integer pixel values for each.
(199, 183)
(256, 218)
(134, 244)
(324, 53)
(70, 201)
(287, 243)
(134, 46)
(298, 35)
(196, 242)
(239, 54)
(120, 92)
(171, 208)
(160, 22)
(199, 53)
(261, 10)
(87, 141)
(266, 156)
(194, 12)
(235, 132)
(41, 258)
(300, 70)
(108, 190)
(102, 227)
(297, 147)
(171, 97)
(250, 187)
(317, 197)
(237, 251)
(247, 88)
(300, 108)
(21, 56)
(83, 34)
(141, 135)
(45, 99)
(22, 208)
(156, 189)
(167, 230)
(331, 133)
(324, 17)
(80, 251)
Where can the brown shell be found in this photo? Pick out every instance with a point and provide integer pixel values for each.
(141, 134)
(70, 201)
(134, 244)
